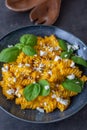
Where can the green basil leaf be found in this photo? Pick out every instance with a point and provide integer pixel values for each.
(19, 45)
(9, 54)
(79, 60)
(65, 55)
(28, 39)
(31, 91)
(62, 44)
(28, 50)
(74, 85)
(45, 89)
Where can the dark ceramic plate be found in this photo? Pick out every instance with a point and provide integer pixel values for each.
(35, 116)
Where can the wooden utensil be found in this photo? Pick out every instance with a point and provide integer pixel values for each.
(46, 13)
(22, 5)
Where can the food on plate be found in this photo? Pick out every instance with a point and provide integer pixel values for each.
(42, 73)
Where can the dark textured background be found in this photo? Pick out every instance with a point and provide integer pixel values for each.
(73, 18)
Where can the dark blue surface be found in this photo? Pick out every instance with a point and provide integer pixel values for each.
(73, 18)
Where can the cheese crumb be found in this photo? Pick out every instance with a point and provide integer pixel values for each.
(47, 87)
(43, 53)
(72, 76)
(40, 109)
(28, 65)
(57, 58)
(10, 46)
(14, 80)
(10, 91)
(5, 69)
(62, 101)
(50, 72)
(72, 64)
(20, 65)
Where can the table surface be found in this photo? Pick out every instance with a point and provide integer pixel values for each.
(73, 18)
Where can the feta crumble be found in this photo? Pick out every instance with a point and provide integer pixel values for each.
(60, 100)
(20, 65)
(72, 76)
(40, 109)
(47, 87)
(43, 53)
(50, 72)
(72, 64)
(57, 58)
(14, 80)
(10, 46)
(28, 65)
(5, 69)
(10, 91)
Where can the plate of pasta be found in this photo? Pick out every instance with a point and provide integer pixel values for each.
(43, 74)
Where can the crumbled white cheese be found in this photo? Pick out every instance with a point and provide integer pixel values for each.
(75, 47)
(53, 96)
(10, 46)
(5, 69)
(69, 47)
(50, 72)
(35, 55)
(10, 91)
(14, 80)
(72, 64)
(51, 49)
(45, 103)
(43, 53)
(28, 65)
(71, 76)
(65, 55)
(62, 101)
(20, 65)
(57, 58)
(17, 94)
(40, 109)
(57, 48)
(77, 82)
(47, 87)
(39, 68)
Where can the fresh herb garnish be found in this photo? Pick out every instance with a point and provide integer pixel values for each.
(65, 55)
(9, 54)
(79, 60)
(27, 42)
(28, 50)
(74, 85)
(45, 89)
(28, 39)
(32, 91)
(62, 44)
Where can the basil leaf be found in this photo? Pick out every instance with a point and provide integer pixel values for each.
(9, 54)
(45, 89)
(62, 44)
(65, 55)
(19, 45)
(79, 60)
(74, 85)
(28, 50)
(31, 91)
(28, 39)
